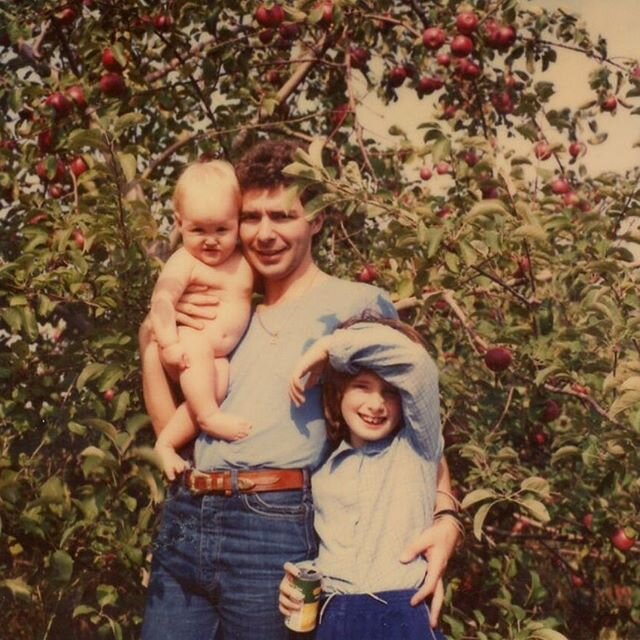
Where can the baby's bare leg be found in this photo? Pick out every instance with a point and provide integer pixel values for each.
(200, 386)
(157, 391)
(180, 430)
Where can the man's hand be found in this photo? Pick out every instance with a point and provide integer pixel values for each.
(196, 304)
(311, 363)
(436, 544)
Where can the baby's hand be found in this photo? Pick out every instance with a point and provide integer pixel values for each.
(175, 356)
(290, 598)
(312, 363)
(172, 464)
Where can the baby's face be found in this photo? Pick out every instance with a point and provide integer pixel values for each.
(208, 223)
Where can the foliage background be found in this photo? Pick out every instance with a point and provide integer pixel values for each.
(483, 254)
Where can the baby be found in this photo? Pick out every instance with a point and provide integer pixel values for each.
(206, 205)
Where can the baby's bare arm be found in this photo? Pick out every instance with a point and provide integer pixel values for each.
(173, 280)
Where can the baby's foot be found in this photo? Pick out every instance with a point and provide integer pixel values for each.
(225, 426)
(172, 464)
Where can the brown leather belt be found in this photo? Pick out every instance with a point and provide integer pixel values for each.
(228, 482)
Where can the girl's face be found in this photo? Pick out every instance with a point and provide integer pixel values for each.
(371, 408)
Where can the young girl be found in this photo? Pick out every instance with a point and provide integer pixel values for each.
(380, 394)
(206, 205)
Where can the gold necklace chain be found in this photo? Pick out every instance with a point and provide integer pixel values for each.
(274, 335)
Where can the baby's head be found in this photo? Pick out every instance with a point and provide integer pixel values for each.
(363, 407)
(206, 204)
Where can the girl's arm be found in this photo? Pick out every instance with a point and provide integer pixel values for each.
(402, 363)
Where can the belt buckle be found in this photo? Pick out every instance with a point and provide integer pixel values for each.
(244, 484)
(210, 485)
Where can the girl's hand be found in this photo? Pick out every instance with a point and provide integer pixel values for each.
(196, 304)
(436, 544)
(311, 364)
(290, 598)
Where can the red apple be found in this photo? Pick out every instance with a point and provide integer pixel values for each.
(263, 16)
(162, 22)
(78, 166)
(498, 358)
(55, 191)
(37, 219)
(66, 16)
(610, 103)
(560, 186)
(461, 46)
(60, 104)
(41, 171)
(397, 76)
(538, 438)
(109, 394)
(444, 212)
(505, 36)
(577, 149)
(443, 168)
(425, 173)
(468, 69)
(542, 150)
(273, 77)
(76, 93)
(359, 58)
(466, 22)
(266, 35)
(327, 13)
(443, 59)
(109, 61)
(433, 38)
(502, 103)
(587, 521)
(367, 274)
(551, 411)
(429, 84)
(78, 238)
(45, 140)
(470, 157)
(577, 581)
(635, 73)
(620, 540)
(339, 114)
(571, 199)
(112, 84)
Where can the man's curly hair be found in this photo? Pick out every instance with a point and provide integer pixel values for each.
(261, 166)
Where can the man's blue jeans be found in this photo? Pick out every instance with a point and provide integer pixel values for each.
(217, 563)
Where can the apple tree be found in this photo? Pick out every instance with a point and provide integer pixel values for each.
(517, 264)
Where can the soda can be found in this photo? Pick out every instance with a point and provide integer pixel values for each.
(309, 583)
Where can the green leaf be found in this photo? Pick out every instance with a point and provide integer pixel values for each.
(18, 587)
(128, 165)
(486, 208)
(441, 149)
(81, 138)
(435, 238)
(479, 518)
(91, 371)
(477, 495)
(128, 120)
(533, 231)
(536, 485)
(61, 565)
(536, 508)
(547, 634)
(567, 451)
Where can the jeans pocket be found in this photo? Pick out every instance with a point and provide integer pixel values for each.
(292, 505)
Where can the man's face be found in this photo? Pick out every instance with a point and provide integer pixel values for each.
(275, 234)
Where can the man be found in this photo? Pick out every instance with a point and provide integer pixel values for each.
(228, 528)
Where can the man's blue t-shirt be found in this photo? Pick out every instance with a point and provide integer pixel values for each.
(282, 435)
